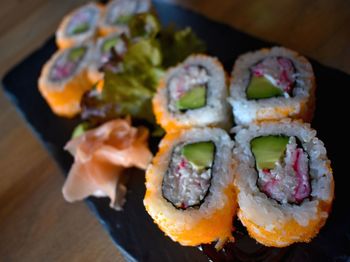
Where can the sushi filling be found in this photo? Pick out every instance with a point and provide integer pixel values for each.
(187, 181)
(287, 179)
(81, 21)
(187, 90)
(67, 63)
(273, 76)
(111, 51)
(121, 12)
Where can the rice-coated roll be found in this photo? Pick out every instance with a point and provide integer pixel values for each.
(102, 54)
(189, 186)
(79, 26)
(284, 182)
(64, 79)
(193, 94)
(271, 84)
(119, 12)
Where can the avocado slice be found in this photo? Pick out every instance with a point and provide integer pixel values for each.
(200, 155)
(192, 99)
(108, 44)
(122, 19)
(261, 87)
(268, 150)
(81, 28)
(76, 53)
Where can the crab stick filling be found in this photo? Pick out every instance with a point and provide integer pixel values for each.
(273, 76)
(187, 181)
(67, 63)
(283, 168)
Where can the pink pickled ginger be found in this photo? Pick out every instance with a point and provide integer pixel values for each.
(100, 156)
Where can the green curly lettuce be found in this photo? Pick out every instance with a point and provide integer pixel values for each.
(150, 51)
(177, 45)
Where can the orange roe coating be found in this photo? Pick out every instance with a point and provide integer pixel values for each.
(177, 223)
(291, 231)
(169, 122)
(64, 101)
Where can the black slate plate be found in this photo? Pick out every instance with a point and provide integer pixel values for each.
(133, 230)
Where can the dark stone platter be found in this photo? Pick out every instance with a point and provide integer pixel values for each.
(132, 230)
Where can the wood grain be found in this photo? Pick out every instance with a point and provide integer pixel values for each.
(319, 28)
(35, 223)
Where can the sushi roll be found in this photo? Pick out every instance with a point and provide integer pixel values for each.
(79, 26)
(272, 84)
(119, 12)
(193, 94)
(189, 186)
(284, 182)
(64, 79)
(102, 53)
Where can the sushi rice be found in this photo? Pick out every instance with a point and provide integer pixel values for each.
(99, 56)
(216, 109)
(63, 94)
(299, 105)
(121, 9)
(212, 220)
(271, 222)
(90, 14)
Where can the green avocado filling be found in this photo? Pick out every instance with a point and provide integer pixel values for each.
(200, 155)
(122, 19)
(76, 54)
(109, 44)
(192, 99)
(81, 28)
(268, 150)
(144, 25)
(260, 87)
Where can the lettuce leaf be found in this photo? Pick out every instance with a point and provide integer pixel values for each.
(129, 95)
(150, 52)
(143, 61)
(122, 95)
(177, 45)
(129, 92)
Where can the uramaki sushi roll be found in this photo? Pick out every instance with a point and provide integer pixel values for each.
(271, 84)
(193, 94)
(102, 53)
(64, 79)
(79, 26)
(284, 182)
(189, 186)
(119, 12)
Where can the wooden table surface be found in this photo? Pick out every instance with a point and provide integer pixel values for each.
(35, 222)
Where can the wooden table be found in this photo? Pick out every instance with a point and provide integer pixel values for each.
(35, 222)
